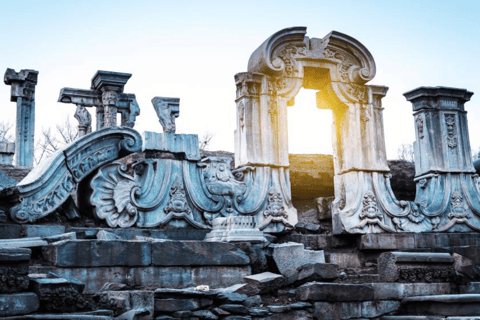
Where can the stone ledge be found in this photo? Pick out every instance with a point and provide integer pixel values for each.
(197, 253)
(443, 305)
(402, 241)
(164, 277)
(18, 303)
(98, 253)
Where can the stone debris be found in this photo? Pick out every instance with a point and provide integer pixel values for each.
(129, 226)
(416, 267)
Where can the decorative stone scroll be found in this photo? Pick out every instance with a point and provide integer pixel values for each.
(23, 93)
(107, 96)
(50, 184)
(167, 110)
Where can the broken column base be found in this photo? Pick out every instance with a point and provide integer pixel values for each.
(235, 229)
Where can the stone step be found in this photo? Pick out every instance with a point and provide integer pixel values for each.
(443, 305)
(407, 241)
(152, 276)
(130, 253)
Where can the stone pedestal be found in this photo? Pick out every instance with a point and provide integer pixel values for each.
(237, 228)
(447, 197)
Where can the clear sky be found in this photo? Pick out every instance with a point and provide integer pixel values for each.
(193, 49)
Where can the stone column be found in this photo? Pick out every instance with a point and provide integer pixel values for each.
(111, 85)
(442, 143)
(23, 92)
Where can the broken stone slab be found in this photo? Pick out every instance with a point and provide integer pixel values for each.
(35, 241)
(183, 144)
(289, 256)
(324, 291)
(14, 255)
(42, 231)
(465, 266)
(135, 314)
(399, 291)
(416, 267)
(105, 235)
(262, 283)
(13, 304)
(354, 310)
(109, 286)
(98, 253)
(163, 293)
(443, 305)
(204, 314)
(132, 300)
(197, 253)
(59, 295)
(321, 272)
(235, 309)
(172, 305)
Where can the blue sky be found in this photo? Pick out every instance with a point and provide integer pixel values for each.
(193, 49)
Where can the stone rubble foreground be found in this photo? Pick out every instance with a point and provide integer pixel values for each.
(123, 225)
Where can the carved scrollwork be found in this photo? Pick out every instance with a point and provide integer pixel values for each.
(427, 274)
(13, 279)
(112, 192)
(451, 136)
(30, 212)
(275, 207)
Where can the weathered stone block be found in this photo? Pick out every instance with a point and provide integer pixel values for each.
(322, 291)
(262, 283)
(186, 144)
(172, 305)
(290, 256)
(443, 305)
(219, 277)
(99, 253)
(14, 269)
(59, 295)
(322, 272)
(416, 267)
(10, 231)
(197, 253)
(346, 259)
(354, 310)
(18, 303)
(398, 291)
(471, 287)
(235, 309)
(172, 277)
(134, 299)
(387, 241)
(42, 231)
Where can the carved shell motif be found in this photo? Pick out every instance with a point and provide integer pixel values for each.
(111, 196)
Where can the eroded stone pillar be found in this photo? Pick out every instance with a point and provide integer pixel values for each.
(23, 93)
(447, 186)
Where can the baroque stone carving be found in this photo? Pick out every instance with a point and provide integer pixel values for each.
(275, 206)
(49, 185)
(167, 110)
(427, 274)
(63, 299)
(84, 120)
(419, 123)
(451, 137)
(111, 196)
(108, 98)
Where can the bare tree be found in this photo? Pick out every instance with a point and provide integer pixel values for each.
(405, 153)
(205, 140)
(52, 140)
(5, 135)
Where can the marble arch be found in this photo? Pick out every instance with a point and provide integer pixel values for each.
(339, 67)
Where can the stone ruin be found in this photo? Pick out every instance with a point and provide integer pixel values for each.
(123, 225)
